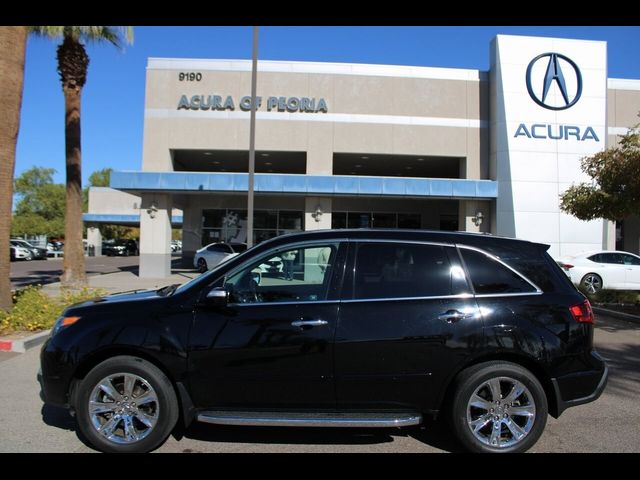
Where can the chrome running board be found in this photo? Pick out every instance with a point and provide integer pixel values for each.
(294, 419)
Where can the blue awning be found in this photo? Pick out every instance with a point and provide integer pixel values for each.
(116, 219)
(322, 185)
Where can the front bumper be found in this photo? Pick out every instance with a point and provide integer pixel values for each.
(55, 376)
(580, 388)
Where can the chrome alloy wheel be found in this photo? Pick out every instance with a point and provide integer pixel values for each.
(501, 412)
(592, 283)
(124, 408)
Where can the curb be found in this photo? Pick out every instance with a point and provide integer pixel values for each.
(619, 315)
(24, 344)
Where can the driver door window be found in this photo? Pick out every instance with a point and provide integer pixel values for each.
(298, 274)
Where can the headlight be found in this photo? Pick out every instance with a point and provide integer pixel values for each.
(63, 322)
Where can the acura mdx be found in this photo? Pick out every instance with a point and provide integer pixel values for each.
(335, 328)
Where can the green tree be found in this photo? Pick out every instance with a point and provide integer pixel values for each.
(100, 178)
(41, 204)
(13, 45)
(73, 63)
(614, 192)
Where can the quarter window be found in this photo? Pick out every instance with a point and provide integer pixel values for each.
(300, 274)
(399, 270)
(490, 277)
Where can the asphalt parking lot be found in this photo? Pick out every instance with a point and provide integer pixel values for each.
(43, 272)
(608, 425)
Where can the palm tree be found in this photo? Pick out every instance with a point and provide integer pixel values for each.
(13, 44)
(73, 62)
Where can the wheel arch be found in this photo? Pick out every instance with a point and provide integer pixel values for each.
(521, 360)
(186, 407)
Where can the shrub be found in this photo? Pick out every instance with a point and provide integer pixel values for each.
(619, 297)
(34, 310)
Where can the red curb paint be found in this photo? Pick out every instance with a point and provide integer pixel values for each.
(6, 346)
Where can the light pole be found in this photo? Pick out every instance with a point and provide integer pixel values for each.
(252, 138)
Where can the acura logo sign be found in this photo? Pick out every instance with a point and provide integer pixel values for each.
(562, 76)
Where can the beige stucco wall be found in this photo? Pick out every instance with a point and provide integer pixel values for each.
(383, 107)
(108, 201)
(623, 107)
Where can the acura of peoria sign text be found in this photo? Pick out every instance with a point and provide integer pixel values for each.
(280, 104)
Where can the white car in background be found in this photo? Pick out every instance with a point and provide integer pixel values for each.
(215, 253)
(594, 271)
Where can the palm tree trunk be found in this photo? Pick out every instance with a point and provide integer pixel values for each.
(73, 275)
(13, 44)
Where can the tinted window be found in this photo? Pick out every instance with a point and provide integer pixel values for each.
(399, 270)
(238, 247)
(293, 275)
(596, 258)
(613, 258)
(219, 248)
(488, 276)
(630, 259)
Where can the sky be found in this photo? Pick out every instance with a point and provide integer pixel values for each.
(113, 97)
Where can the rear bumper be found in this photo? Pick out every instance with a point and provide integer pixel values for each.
(580, 388)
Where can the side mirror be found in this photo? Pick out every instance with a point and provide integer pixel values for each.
(218, 296)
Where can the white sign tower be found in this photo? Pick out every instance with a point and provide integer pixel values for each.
(548, 110)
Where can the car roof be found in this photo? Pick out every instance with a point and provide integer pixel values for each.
(595, 252)
(439, 236)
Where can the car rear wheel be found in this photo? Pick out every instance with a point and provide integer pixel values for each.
(126, 404)
(592, 283)
(498, 407)
(202, 265)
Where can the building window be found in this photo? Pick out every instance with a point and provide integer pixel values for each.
(375, 220)
(230, 225)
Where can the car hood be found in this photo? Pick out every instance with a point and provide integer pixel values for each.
(124, 297)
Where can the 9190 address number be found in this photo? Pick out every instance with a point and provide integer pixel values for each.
(189, 76)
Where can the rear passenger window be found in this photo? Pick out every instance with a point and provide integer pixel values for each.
(489, 276)
(401, 270)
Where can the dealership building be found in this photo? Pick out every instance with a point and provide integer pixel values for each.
(353, 145)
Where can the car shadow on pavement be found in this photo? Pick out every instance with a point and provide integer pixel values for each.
(58, 417)
(623, 361)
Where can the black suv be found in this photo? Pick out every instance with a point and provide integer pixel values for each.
(358, 328)
(120, 247)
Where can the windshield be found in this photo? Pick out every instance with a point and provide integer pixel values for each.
(21, 243)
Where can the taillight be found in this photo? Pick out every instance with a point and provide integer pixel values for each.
(566, 266)
(582, 312)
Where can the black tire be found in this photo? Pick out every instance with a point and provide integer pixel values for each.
(202, 265)
(533, 400)
(163, 410)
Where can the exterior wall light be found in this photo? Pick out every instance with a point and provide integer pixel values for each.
(317, 215)
(152, 210)
(477, 220)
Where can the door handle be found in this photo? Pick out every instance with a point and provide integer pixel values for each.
(309, 323)
(451, 316)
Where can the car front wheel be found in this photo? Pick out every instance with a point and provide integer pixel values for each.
(498, 407)
(126, 404)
